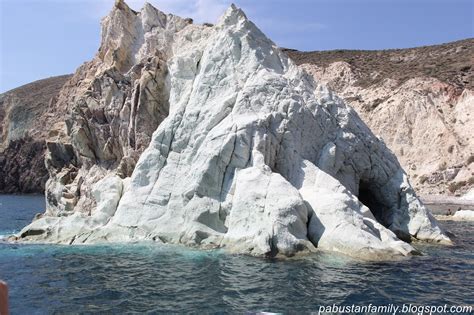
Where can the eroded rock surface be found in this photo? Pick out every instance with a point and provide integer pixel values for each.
(253, 155)
(420, 101)
(114, 103)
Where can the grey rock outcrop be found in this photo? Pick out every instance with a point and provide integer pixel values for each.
(238, 148)
(114, 104)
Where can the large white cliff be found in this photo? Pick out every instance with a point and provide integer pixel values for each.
(253, 155)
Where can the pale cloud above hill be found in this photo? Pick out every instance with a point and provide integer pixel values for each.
(199, 10)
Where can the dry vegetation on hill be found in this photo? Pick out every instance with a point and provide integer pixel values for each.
(452, 63)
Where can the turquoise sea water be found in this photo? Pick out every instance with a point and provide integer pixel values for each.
(46, 279)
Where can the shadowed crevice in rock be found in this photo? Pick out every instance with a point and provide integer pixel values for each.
(369, 198)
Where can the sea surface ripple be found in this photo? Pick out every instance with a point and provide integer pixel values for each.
(152, 278)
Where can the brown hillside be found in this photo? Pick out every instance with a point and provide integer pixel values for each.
(452, 63)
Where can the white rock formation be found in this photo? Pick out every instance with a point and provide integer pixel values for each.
(464, 215)
(254, 156)
(460, 215)
(469, 196)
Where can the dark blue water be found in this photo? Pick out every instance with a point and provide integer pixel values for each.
(162, 279)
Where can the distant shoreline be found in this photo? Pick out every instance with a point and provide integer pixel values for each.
(439, 204)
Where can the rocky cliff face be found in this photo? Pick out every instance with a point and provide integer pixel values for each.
(237, 147)
(26, 113)
(420, 101)
(113, 104)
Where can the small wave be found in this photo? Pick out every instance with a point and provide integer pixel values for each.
(5, 234)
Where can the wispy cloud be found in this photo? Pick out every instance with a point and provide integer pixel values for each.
(199, 10)
(209, 10)
(285, 31)
(289, 26)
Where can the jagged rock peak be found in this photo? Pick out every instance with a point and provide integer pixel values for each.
(129, 36)
(121, 5)
(234, 11)
(235, 15)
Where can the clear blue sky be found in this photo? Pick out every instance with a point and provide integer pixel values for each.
(42, 38)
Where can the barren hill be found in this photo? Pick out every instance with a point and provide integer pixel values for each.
(451, 63)
(27, 113)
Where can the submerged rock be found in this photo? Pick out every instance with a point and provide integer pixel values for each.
(254, 155)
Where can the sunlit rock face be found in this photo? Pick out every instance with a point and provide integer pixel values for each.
(253, 156)
(114, 103)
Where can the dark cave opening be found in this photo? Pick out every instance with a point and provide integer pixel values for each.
(368, 195)
(369, 199)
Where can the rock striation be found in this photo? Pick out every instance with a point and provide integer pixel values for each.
(209, 136)
(419, 100)
(113, 104)
(24, 113)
